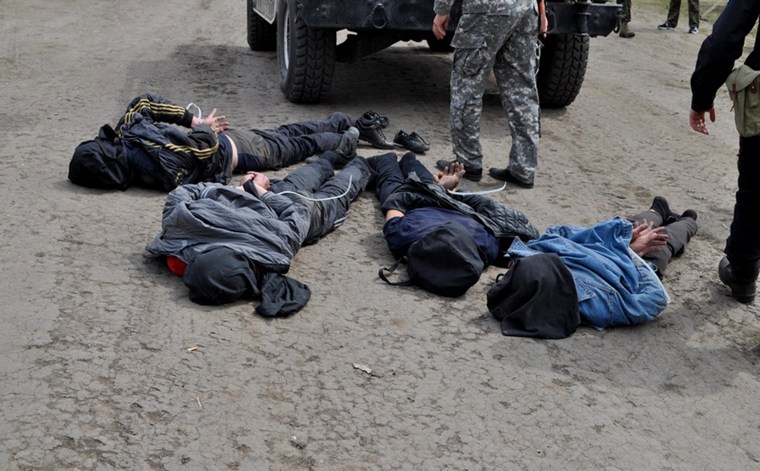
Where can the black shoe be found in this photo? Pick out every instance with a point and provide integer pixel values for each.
(661, 207)
(689, 213)
(742, 291)
(506, 176)
(412, 141)
(370, 117)
(474, 175)
(373, 134)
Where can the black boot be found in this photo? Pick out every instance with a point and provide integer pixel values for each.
(661, 207)
(742, 281)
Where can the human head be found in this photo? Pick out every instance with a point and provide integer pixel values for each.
(446, 261)
(100, 164)
(220, 275)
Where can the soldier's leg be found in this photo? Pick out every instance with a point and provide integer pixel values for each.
(515, 72)
(471, 66)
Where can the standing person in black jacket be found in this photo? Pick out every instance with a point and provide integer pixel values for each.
(148, 148)
(422, 215)
(739, 268)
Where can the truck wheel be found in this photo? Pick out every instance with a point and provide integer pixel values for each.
(306, 56)
(261, 35)
(562, 68)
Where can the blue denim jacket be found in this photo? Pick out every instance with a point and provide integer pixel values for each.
(615, 286)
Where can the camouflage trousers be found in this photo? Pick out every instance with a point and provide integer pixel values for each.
(505, 45)
(626, 13)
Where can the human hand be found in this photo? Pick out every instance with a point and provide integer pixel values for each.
(543, 21)
(450, 176)
(217, 123)
(697, 120)
(258, 179)
(647, 239)
(440, 23)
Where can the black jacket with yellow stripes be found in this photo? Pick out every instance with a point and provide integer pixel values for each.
(163, 155)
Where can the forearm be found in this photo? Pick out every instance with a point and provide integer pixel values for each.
(159, 110)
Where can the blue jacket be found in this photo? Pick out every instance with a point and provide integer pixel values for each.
(614, 285)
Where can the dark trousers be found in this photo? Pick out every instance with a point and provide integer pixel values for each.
(292, 143)
(317, 181)
(272, 149)
(679, 234)
(391, 173)
(743, 244)
(674, 10)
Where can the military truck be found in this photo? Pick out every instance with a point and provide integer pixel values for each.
(304, 34)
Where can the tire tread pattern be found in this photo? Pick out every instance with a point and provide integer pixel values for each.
(562, 69)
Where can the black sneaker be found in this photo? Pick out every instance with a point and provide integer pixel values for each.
(412, 141)
(373, 134)
(689, 213)
(742, 291)
(506, 176)
(661, 207)
(666, 26)
(474, 175)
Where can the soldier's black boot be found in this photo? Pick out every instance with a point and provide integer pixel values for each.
(741, 280)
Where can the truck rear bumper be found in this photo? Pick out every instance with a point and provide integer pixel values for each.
(417, 15)
(407, 15)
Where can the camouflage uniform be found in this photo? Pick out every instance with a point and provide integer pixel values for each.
(498, 35)
(626, 14)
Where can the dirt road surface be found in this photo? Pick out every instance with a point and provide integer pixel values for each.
(106, 364)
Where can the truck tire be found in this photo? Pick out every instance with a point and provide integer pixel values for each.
(306, 56)
(261, 35)
(562, 68)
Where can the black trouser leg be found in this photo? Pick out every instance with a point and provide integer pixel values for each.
(743, 244)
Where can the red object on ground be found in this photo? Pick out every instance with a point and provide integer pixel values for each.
(176, 265)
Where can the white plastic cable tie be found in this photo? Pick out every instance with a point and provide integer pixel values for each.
(193, 105)
(484, 192)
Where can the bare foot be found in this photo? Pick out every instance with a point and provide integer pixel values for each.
(450, 177)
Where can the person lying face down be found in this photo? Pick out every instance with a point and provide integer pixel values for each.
(149, 148)
(447, 238)
(604, 275)
(234, 242)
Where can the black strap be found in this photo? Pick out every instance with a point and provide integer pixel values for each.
(390, 270)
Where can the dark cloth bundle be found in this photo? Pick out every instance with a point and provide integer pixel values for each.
(536, 297)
